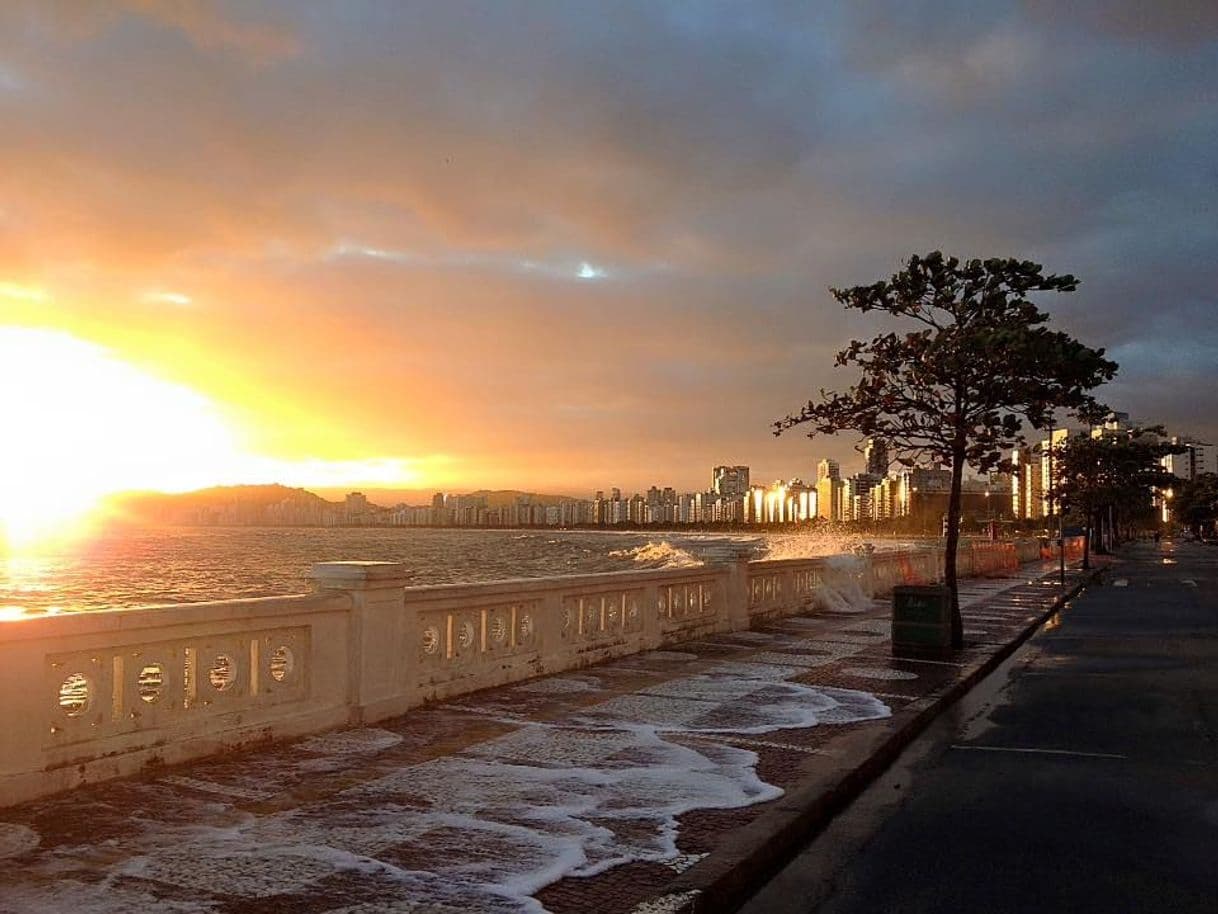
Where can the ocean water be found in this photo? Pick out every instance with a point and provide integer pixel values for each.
(190, 564)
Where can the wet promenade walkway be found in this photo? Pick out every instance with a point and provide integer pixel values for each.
(1084, 779)
(640, 785)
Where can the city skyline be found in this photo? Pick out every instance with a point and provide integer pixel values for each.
(881, 490)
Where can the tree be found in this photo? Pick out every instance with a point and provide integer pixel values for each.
(1194, 502)
(1115, 474)
(958, 387)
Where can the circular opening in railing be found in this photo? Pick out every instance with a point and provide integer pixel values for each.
(431, 639)
(74, 695)
(223, 672)
(526, 627)
(465, 634)
(498, 629)
(150, 682)
(282, 663)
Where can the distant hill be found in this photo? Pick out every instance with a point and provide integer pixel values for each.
(498, 498)
(224, 504)
(495, 498)
(272, 504)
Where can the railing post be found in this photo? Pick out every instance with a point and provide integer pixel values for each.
(27, 714)
(736, 591)
(380, 634)
(652, 635)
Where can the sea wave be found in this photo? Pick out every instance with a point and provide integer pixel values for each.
(814, 545)
(662, 554)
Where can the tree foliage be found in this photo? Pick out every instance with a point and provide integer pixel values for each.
(1117, 473)
(1195, 502)
(981, 366)
(973, 367)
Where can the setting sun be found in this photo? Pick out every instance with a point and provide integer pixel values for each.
(81, 423)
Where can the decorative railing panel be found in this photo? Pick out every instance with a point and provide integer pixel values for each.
(765, 589)
(601, 615)
(784, 586)
(108, 691)
(687, 601)
(469, 635)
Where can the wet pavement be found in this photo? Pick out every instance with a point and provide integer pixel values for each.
(632, 786)
(1081, 777)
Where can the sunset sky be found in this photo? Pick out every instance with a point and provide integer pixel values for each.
(563, 246)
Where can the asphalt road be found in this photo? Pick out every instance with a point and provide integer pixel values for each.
(1082, 776)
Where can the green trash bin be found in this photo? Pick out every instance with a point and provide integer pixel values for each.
(921, 621)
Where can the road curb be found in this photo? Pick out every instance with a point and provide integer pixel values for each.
(768, 844)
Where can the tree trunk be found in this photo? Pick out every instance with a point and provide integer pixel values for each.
(953, 541)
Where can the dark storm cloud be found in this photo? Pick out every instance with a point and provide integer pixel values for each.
(627, 214)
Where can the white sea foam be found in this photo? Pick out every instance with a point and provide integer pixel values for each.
(841, 590)
(486, 829)
(662, 554)
(822, 543)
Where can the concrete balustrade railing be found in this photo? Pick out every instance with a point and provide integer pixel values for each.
(425, 643)
(90, 696)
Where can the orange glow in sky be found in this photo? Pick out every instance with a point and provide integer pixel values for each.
(81, 423)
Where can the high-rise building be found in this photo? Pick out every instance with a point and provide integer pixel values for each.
(1113, 424)
(1026, 501)
(1048, 449)
(828, 468)
(875, 453)
(356, 505)
(730, 481)
(829, 495)
(1196, 459)
(857, 497)
(886, 498)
